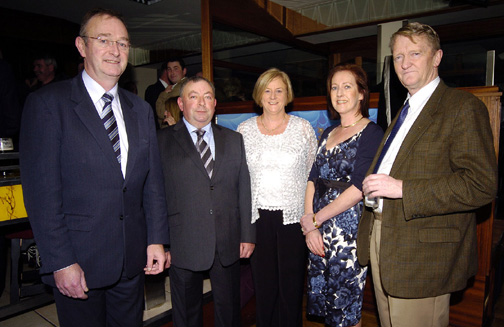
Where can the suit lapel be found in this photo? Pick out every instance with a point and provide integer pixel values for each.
(86, 111)
(419, 127)
(219, 140)
(131, 123)
(185, 141)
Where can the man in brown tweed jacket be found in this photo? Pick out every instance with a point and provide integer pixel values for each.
(440, 166)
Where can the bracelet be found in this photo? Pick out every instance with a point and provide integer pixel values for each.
(314, 221)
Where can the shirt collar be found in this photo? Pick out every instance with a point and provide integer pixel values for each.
(164, 83)
(94, 89)
(207, 128)
(418, 100)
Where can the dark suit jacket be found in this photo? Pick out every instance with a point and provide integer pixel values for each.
(80, 208)
(448, 167)
(151, 95)
(206, 215)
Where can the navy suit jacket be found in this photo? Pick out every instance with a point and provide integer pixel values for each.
(151, 95)
(206, 215)
(80, 207)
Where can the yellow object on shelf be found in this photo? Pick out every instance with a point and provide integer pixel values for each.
(12, 203)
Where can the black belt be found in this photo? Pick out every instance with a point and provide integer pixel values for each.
(323, 184)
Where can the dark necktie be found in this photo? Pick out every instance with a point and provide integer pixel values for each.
(204, 151)
(110, 124)
(393, 133)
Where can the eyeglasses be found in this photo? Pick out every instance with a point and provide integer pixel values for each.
(103, 42)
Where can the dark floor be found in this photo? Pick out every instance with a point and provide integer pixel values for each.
(368, 319)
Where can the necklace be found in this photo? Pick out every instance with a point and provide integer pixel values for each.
(353, 123)
(273, 129)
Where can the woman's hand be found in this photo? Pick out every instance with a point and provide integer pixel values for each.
(315, 243)
(307, 223)
(168, 118)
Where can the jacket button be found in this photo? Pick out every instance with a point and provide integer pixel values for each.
(211, 211)
(125, 189)
(211, 188)
(121, 217)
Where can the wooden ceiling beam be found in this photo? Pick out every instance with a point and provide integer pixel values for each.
(263, 18)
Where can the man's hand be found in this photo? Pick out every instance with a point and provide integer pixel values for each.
(382, 185)
(246, 249)
(168, 259)
(155, 259)
(70, 282)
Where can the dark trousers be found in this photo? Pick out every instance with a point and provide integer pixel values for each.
(187, 295)
(119, 305)
(278, 268)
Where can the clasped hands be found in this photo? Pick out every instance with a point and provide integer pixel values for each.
(313, 240)
(307, 223)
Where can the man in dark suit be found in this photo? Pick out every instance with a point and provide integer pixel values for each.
(176, 71)
(152, 92)
(92, 182)
(435, 166)
(209, 201)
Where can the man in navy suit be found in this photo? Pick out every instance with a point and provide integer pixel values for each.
(209, 205)
(92, 182)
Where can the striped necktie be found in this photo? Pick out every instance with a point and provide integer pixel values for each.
(109, 121)
(395, 129)
(204, 151)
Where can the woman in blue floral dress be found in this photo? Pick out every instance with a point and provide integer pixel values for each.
(333, 201)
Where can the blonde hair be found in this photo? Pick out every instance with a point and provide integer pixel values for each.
(265, 79)
(417, 29)
(172, 107)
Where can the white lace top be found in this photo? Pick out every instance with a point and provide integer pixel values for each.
(279, 166)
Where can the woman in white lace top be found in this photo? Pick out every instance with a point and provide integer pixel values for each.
(280, 149)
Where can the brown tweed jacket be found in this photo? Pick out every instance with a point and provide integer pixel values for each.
(448, 167)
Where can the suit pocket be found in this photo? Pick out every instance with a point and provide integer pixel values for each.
(439, 235)
(78, 222)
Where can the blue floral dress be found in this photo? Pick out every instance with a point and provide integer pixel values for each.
(336, 282)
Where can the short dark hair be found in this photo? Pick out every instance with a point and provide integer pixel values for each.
(161, 69)
(98, 12)
(361, 80)
(178, 59)
(195, 79)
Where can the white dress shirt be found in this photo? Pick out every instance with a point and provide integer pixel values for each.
(96, 92)
(417, 103)
(207, 137)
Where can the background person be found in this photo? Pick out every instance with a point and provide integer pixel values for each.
(336, 280)
(154, 90)
(176, 72)
(435, 166)
(280, 150)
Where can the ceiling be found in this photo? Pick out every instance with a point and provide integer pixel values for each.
(175, 24)
(148, 25)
